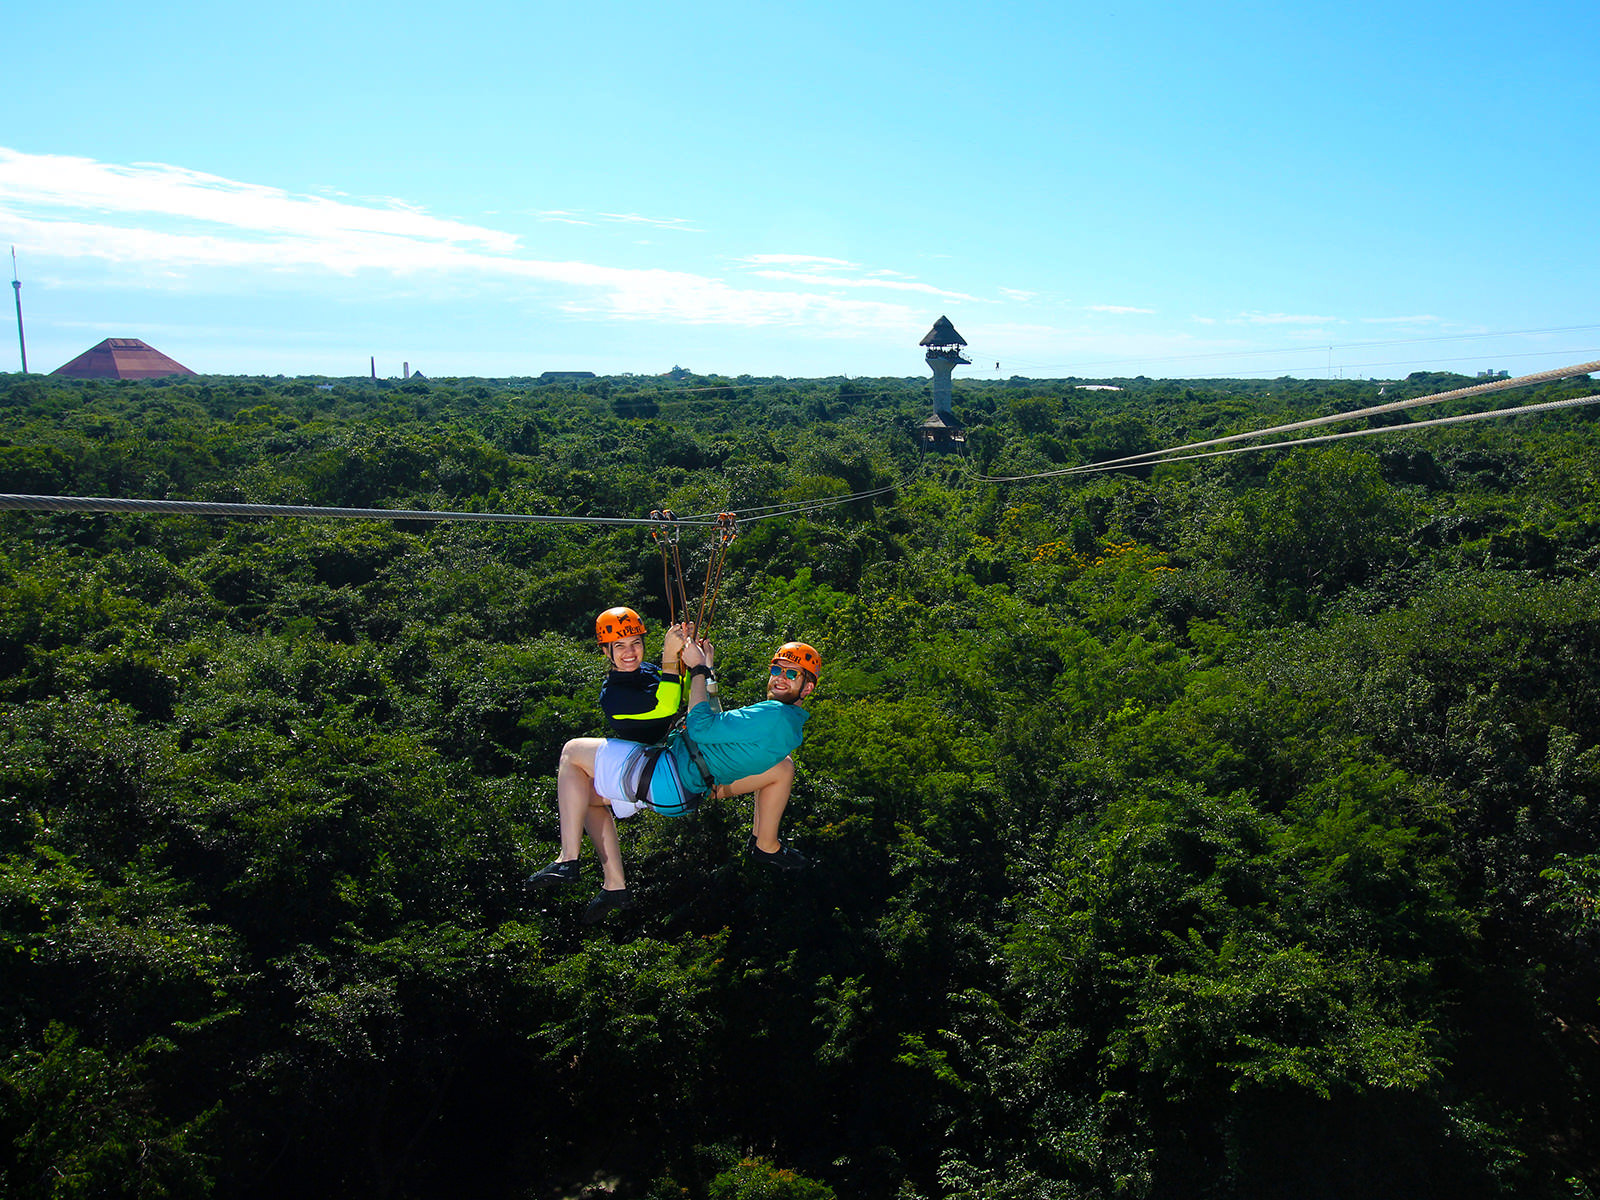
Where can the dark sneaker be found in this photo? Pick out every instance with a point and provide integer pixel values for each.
(785, 858)
(556, 873)
(604, 902)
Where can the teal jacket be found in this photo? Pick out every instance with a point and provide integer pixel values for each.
(740, 742)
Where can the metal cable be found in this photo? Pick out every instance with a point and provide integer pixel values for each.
(1573, 402)
(799, 506)
(208, 508)
(1151, 457)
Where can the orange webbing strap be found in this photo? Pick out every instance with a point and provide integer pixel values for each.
(677, 573)
(727, 530)
(664, 532)
(657, 532)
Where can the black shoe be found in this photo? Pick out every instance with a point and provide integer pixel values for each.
(785, 858)
(557, 872)
(604, 902)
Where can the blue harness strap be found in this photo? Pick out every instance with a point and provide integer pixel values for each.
(657, 787)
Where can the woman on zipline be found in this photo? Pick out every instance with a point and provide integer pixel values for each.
(640, 699)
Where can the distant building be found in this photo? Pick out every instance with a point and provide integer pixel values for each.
(565, 376)
(943, 434)
(122, 358)
(1493, 374)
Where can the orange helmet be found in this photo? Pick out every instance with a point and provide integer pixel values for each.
(798, 654)
(617, 623)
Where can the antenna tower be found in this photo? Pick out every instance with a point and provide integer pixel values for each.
(16, 286)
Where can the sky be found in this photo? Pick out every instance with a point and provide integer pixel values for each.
(1178, 190)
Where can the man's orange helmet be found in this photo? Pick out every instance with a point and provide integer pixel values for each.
(617, 623)
(798, 654)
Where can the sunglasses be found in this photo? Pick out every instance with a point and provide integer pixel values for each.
(786, 672)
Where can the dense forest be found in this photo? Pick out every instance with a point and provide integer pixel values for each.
(1219, 829)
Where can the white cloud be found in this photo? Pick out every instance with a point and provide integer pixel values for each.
(168, 225)
(56, 182)
(1120, 309)
(1017, 294)
(1421, 320)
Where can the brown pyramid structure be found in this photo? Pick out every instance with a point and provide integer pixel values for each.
(122, 358)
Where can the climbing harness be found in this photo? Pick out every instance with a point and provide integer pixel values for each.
(650, 761)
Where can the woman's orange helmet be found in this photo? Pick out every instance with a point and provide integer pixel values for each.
(798, 654)
(617, 623)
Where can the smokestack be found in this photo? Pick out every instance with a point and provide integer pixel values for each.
(406, 370)
(16, 285)
(374, 368)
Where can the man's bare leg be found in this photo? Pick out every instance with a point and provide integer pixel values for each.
(771, 789)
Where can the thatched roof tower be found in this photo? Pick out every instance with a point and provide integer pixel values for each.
(943, 336)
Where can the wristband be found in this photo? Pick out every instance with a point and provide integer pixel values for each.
(702, 669)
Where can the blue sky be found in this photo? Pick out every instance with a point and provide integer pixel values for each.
(1176, 190)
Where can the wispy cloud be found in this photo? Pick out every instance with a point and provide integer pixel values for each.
(1419, 320)
(841, 273)
(567, 216)
(1260, 318)
(682, 224)
(1120, 309)
(178, 227)
(797, 260)
(897, 285)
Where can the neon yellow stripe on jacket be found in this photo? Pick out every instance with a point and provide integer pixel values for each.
(669, 693)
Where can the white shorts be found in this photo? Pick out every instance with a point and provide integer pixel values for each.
(616, 774)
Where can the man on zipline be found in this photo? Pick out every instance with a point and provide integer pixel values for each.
(743, 751)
